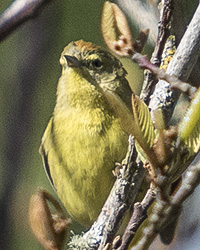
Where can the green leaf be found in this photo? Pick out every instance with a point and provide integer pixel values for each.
(189, 127)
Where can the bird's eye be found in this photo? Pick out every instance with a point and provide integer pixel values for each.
(97, 63)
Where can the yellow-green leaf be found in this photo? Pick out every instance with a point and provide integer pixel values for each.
(189, 127)
(115, 28)
(143, 125)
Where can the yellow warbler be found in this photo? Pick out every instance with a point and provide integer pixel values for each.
(89, 129)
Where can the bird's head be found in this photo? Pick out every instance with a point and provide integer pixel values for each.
(97, 65)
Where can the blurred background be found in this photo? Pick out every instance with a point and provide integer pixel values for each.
(29, 73)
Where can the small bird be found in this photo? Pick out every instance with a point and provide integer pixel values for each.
(89, 128)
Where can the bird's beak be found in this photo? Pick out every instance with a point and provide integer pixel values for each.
(72, 61)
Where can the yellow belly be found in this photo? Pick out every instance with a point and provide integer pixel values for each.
(82, 155)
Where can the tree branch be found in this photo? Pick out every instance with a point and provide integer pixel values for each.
(181, 66)
(121, 197)
(19, 12)
(138, 216)
(163, 33)
(166, 212)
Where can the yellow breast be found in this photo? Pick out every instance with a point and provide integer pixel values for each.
(82, 143)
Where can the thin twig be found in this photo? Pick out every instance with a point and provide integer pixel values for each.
(190, 181)
(174, 82)
(19, 12)
(163, 33)
(168, 212)
(138, 216)
(163, 30)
